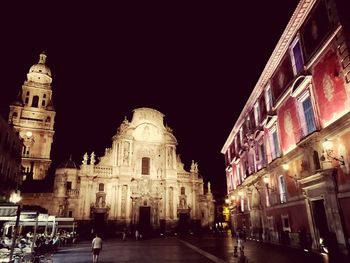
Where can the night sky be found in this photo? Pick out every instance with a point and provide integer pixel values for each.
(197, 63)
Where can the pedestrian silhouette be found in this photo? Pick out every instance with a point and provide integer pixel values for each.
(242, 258)
(96, 247)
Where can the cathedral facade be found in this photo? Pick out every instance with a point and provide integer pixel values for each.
(140, 180)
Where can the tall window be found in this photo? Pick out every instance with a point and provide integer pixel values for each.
(241, 135)
(285, 223)
(182, 190)
(101, 187)
(275, 148)
(307, 114)
(257, 114)
(238, 174)
(262, 157)
(282, 188)
(145, 165)
(69, 185)
(297, 57)
(268, 98)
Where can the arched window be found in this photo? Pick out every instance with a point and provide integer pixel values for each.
(101, 187)
(145, 165)
(35, 101)
(48, 119)
(182, 190)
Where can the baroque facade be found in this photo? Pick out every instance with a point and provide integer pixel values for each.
(288, 154)
(139, 181)
(32, 115)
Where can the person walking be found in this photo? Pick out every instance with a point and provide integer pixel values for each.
(96, 248)
(137, 234)
(240, 239)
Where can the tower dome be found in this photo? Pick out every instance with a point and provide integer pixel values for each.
(40, 72)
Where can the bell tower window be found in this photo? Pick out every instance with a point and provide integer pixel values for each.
(35, 101)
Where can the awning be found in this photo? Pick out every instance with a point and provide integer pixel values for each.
(8, 210)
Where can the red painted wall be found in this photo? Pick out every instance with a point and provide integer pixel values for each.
(329, 87)
(297, 217)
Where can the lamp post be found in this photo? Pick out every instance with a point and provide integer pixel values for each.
(15, 198)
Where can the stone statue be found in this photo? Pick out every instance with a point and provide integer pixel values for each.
(192, 167)
(85, 158)
(196, 168)
(209, 187)
(170, 157)
(126, 153)
(92, 158)
(123, 126)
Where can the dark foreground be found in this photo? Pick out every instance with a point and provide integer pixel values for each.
(172, 249)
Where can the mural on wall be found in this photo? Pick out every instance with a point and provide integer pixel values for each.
(315, 29)
(329, 88)
(289, 124)
(282, 77)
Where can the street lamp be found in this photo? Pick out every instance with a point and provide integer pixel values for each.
(328, 149)
(266, 181)
(15, 198)
(285, 166)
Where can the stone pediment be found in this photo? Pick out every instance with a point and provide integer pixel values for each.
(148, 132)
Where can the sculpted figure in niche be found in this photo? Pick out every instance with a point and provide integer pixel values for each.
(183, 203)
(170, 157)
(126, 153)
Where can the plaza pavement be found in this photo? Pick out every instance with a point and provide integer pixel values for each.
(189, 249)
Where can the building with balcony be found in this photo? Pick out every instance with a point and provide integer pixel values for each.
(10, 160)
(288, 154)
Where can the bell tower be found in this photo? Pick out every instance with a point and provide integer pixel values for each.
(32, 115)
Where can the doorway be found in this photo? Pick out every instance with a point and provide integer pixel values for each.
(183, 225)
(99, 222)
(145, 220)
(320, 217)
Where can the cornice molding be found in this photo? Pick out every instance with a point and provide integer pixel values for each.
(300, 14)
